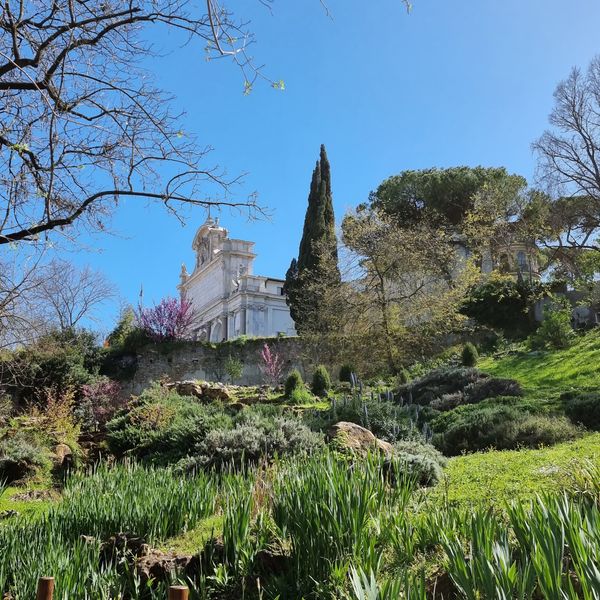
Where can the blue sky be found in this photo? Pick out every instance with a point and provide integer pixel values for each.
(467, 82)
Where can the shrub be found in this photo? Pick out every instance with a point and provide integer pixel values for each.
(321, 382)
(272, 365)
(99, 402)
(421, 460)
(58, 361)
(252, 438)
(160, 426)
(555, 332)
(502, 303)
(491, 387)
(386, 420)
(22, 456)
(403, 377)
(234, 368)
(502, 423)
(445, 389)
(293, 382)
(583, 408)
(439, 382)
(469, 355)
(300, 396)
(345, 374)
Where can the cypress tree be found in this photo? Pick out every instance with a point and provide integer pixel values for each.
(316, 269)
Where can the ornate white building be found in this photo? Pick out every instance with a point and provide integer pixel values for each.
(227, 297)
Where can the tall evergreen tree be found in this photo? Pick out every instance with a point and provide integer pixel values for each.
(316, 268)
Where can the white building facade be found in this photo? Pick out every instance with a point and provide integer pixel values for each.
(228, 299)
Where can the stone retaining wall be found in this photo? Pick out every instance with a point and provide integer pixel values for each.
(198, 360)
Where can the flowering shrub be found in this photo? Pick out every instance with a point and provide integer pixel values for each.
(169, 320)
(99, 402)
(272, 365)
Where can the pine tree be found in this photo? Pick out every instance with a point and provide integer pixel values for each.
(317, 268)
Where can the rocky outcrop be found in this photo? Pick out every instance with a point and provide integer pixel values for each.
(203, 390)
(352, 438)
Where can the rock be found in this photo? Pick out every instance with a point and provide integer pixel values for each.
(187, 388)
(62, 457)
(8, 514)
(356, 439)
(203, 390)
(158, 566)
(117, 545)
(217, 391)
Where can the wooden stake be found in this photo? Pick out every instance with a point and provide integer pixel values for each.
(45, 588)
(178, 592)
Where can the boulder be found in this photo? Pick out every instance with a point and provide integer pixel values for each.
(216, 391)
(203, 390)
(187, 388)
(62, 457)
(353, 438)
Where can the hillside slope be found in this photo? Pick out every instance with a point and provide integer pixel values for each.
(552, 372)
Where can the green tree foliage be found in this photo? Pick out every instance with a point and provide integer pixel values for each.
(438, 196)
(317, 255)
(556, 331)
(293, 382)
(469, 356)
(345, 374)
(502, 303)
(321, 382)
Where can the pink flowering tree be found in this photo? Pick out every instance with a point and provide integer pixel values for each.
(272, 365)
(170, 319)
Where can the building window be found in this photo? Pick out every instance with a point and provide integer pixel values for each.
(522, 261)
(280, 291)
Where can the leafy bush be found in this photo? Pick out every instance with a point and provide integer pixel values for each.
(300, 396)
(293, 382)
(386, 420)
(22, 456)
(502, 303)
(583, 408)
(469, 355)
(253, 437)
(491, 387)
(345, 374)
(437, 383)
(321, 382)
(403, 377)
(59, 361)
(234, 368)
(556, 331)
(445, 389)
(161, 426)
(501, 423)
(421, 460)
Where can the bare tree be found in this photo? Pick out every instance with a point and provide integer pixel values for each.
(19, 321)
(82, 125)
(65, 295)
(569, 160)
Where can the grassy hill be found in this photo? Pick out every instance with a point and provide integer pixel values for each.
(551, 372)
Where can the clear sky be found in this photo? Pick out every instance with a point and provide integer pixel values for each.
(463, 82)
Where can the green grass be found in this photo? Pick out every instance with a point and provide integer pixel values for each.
(25, 507)
(551, 372)
(193, 540)
(496, 477)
